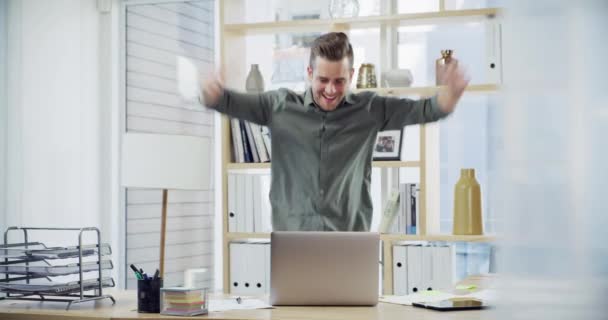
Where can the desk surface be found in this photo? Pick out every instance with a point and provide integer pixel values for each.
(126, 308)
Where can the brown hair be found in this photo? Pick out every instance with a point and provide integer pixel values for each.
(333, 46)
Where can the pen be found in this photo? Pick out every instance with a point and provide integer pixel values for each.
(156, 274)
(134, 269)
(137, 274)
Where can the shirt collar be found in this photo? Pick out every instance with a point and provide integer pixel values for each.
(309, 101)
(350, 97)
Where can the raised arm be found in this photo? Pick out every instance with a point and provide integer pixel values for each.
(254, 107)
(455, 81)
(395, 113)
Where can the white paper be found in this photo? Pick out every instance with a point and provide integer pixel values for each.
(407, 300)
(187, 79)
(216, 305)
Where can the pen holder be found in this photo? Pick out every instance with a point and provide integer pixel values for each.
(148, 295)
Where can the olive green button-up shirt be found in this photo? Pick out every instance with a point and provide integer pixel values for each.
(322, 161)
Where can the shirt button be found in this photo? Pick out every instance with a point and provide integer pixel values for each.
(322, 192)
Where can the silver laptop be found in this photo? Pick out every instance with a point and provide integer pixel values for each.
(324, 268)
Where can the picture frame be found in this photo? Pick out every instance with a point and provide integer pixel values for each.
(387, 145)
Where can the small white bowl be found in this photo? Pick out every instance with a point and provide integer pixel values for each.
(397, 78)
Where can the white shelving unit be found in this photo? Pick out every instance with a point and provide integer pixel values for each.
(233, 50)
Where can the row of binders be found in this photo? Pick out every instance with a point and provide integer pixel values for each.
(250, 141)
(401, 210)
(250, 267)
(418, 267)
(249, 207)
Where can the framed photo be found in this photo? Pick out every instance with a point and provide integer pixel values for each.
(388, 145)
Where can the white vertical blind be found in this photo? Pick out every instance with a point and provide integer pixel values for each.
(166, 45)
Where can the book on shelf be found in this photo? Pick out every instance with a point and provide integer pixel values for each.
(237, 142)
(400, 213)
(409, 192)
(246, 146)
(391, 207)
(256, 131)
(412, 193)
(252, 145)
(250, 142)
(266, 138)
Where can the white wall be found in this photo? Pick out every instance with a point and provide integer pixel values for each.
(59, 167)
(553, 166)
(3, 114)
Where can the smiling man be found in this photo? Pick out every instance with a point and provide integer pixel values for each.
(323, 139)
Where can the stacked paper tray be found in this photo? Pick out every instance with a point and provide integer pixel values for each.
(16, 250)
(50, 271)
(38, 251)
(52, 288)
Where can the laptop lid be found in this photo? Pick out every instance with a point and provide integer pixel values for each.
(324, 268)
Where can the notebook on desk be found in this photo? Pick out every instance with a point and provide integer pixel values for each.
(324, 268)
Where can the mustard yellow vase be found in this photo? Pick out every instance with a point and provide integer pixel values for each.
(467, 205)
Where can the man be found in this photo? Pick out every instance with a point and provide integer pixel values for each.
(323, 139)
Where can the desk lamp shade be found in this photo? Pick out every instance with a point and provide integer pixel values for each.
(158, 161)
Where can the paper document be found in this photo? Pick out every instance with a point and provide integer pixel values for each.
(427, 296)
(232, 304)
(433, 296)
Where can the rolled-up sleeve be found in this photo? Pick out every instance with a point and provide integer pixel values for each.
(394, 113)
(254, 107)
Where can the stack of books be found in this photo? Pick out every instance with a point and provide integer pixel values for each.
(250, 142)
(400, 213)
(184, 301)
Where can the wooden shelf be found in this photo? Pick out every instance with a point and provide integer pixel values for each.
(253, 165)
(360, 22)
(377, 164)
(385, 237)
(429, 91)
(395, 164)
(246, 235)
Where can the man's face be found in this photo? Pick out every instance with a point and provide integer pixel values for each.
(330, 81)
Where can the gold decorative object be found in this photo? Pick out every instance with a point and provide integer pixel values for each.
(467, 205)
(367, 76)
(441, 64)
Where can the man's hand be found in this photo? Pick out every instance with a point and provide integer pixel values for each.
(212, 89)
(455, 82)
